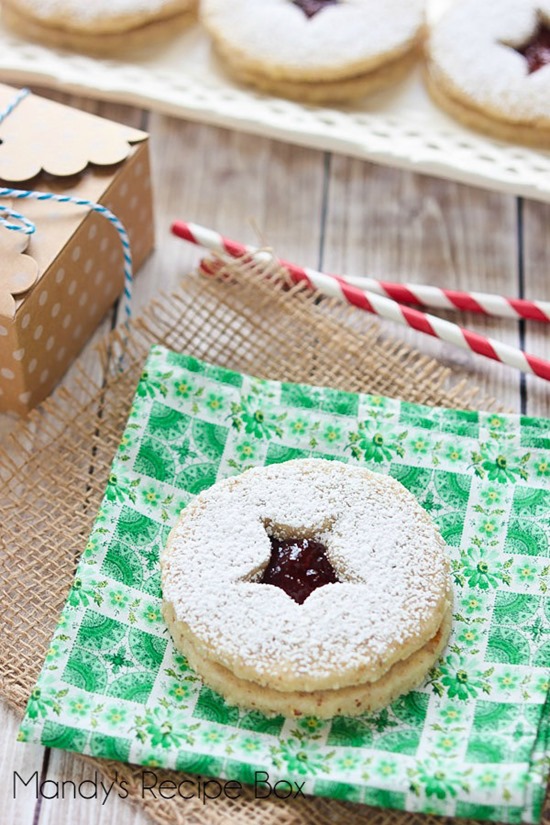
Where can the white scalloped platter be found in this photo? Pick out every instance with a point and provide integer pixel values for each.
(400, 127)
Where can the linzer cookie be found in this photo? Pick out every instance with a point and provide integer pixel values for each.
(488, 65)
(101, 25)
(309, 587)
(316, 50)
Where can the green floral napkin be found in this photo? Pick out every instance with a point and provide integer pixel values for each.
(473, 741)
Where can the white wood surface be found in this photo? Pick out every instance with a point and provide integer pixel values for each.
(350, 217)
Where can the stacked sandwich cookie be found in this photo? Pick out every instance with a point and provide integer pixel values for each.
(316, 50)
(488, 65)
(99, 26)
(310, 587)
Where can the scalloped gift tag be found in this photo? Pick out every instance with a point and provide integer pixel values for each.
(41, 135)
(18, 271)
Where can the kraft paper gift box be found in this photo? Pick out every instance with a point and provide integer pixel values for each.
(57, 283)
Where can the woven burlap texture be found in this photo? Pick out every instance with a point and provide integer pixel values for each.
(55, 466)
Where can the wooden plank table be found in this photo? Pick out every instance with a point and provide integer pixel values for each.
(322, 210)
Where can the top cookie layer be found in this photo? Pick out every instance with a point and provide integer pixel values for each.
(473, 54)
(390, 560)
(276, 38)
(98, 16)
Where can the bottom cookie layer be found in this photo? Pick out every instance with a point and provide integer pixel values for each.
(442, 94)
(325, 91)
(141, 36)
(348, 701)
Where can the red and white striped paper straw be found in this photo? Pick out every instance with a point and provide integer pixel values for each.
(338, 287)
(484, 303)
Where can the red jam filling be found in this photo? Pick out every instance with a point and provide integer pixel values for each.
(537, 50)
(311, 7)
(298, 566)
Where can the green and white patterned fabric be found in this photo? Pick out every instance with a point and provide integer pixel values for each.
(473, 741)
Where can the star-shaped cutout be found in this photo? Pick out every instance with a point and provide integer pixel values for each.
(298, 566)
(537, 49)
(311, 7)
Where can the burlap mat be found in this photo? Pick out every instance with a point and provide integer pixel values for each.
(55, 467)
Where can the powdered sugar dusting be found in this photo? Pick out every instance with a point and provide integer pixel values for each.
(474, 47)
(277, 35)
(389, 558)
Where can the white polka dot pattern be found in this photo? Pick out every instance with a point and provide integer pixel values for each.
(72, 296)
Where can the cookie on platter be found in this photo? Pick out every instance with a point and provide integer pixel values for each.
(309, 587)
(488, 65)
(101, 26)
(316, 50)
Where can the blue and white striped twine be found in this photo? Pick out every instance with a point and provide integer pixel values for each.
(25, 225)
